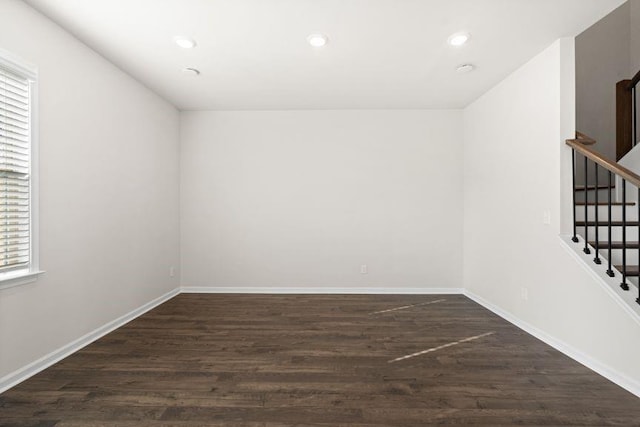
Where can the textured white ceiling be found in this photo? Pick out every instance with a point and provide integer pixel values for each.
(253, 54)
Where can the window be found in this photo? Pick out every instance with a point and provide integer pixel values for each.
(18, 225)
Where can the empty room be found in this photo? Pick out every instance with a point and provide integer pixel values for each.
(273, 213)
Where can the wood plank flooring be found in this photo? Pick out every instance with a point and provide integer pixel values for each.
(317, 360)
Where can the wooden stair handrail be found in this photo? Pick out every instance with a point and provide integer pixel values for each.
(581, 145)
(583, 139)
(634, 81)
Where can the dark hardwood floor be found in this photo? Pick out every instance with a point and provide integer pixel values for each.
(317, 360)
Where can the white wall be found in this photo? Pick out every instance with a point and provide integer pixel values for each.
(303, 198)
(602, 60)
(108, 193)
(597, 64)
(635, 36)
(607, 52)
(506, 245)
(635, 45)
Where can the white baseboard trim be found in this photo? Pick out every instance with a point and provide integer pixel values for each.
(606, 371)
(317, 290)
(55, 356)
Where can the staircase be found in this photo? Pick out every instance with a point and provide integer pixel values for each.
(607, 227)
(607, 222)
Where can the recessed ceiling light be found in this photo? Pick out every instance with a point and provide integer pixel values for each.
(317, 40)
(459, 39)
(191, 71)
(185, 42)
(465, 68)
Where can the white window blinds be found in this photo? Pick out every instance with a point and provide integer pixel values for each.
(15, 111)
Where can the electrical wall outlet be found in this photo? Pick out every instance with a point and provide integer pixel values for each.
(524, 293)
(546, 217)
(172, 271)
(363, 269)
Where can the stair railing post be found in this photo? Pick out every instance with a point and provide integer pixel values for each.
(624, 284)
(596, 207)
(634, 110)
(609, 270)
(573, 177)
(586, 211)
(635, 117)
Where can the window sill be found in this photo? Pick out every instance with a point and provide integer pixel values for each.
(10, 281)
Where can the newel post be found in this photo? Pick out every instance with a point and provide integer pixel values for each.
(624, 142)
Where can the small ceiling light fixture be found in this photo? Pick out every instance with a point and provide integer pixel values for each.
(459, 39)
(185, 42)
(317, 40)
(191, 71)
(465, 68)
